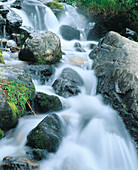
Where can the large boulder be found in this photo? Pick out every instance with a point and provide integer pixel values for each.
(47, 134)
(69, 33)
(16, 90)
(116, 66)
(43, 48)
(68, 83)
(46, 103)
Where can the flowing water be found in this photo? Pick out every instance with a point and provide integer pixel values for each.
(95, 137)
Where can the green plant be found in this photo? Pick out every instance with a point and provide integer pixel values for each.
(1, 59)
(1, 133)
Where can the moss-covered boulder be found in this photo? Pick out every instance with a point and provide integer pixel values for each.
(16, 92)
(1, 59)
(57, 8)
(47, 134)
(42, 48)
(46, 103)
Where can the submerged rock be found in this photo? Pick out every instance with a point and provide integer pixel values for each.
(69, 33)
(13, 163)
(41, 73)
(16, 89)
(46, 103)
(77, 61)
(43, 48)
(67, 84)
(115, 63)
(47, 134)
(37, 154)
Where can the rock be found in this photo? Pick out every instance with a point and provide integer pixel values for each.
(43, 48)
(41, 73)
(37, 154)
(16, 89)
(69, 33)
(25, 32)
(131, 34)
(97, 32)
(17, 4)
(10, 163)
(57, 8)
(4, 12)
(47, 134)
(15, 49)
(77, 44)
(14, 21)
(67, 84)
(46, 103)
(11, 43)
(2, 20)
(77, 61)
(1, 59)
(115, 63)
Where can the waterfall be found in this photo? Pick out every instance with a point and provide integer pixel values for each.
(96, 138)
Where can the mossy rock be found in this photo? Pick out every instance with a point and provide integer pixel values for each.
(57, 8)
(1, 59)
(16, 91)
(1, 133)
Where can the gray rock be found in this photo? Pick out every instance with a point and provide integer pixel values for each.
(67, 84)
(47, 134)
(116, 66)
(15, 84)
(46, 103)
(43, 48)
(69, 33)
(14, 21)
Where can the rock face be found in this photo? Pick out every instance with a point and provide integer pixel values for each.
(116, 66)
(69, 33)
(16, 88)
(43, 48)
(46, 103)
(67, 84)
(47, 134)
(19, 163)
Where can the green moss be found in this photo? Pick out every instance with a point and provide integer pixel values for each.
(14, 109)
(55, 5)
(1, 133)
(1, 59)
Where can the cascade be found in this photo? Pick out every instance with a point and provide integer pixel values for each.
(96, 138)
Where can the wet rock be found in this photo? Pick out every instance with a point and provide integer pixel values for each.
(47, 134)
(77, 61)
(4, 12)
(41, 73)
(12, 163)
(25, 32)
(97, 32)
(46, 103)
(43, 48)
(69, 33)
(77, 44)
(16, 88)
(37, 154)
(15, 49)
(115, 63)
(17, 4)
(131, 34)
(14, 21)
(67, 84)
(57, 8)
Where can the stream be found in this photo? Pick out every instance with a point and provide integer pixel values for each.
(96, 138)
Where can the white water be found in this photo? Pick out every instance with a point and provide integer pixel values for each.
(95, 138)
